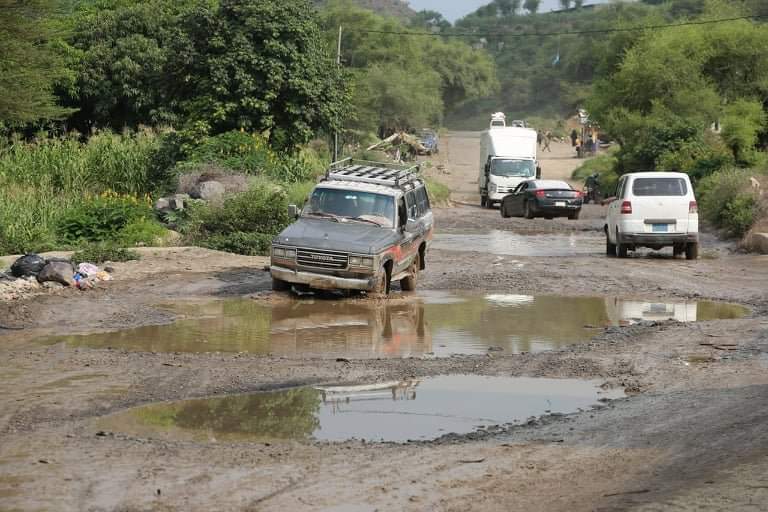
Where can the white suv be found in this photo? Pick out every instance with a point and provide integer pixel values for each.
(653, 209)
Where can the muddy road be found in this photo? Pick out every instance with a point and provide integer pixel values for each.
(529, 372)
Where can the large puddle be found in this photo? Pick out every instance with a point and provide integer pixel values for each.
(432, 323)
(507, 243)
(394, 411)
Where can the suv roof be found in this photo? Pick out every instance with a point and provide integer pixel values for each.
(657, 174)
(381, 174)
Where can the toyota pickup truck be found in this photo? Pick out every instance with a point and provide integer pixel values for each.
(365, 226)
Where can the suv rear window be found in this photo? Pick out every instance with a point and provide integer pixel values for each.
(659, 187)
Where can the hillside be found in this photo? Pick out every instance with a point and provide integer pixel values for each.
(397, 8)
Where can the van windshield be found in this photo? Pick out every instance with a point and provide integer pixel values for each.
(351, 205)
(507, 168)
(659, 187)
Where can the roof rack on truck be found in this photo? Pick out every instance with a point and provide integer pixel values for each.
(378, 173)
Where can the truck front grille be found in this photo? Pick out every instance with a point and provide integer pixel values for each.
(315, 258)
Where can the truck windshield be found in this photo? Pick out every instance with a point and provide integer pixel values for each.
(507, 168)
(352, 205)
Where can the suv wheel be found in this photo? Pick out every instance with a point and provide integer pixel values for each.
(692, 251)
(278, 285)
(382, 283)
(408, 284)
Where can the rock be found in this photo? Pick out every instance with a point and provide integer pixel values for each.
(162, 204)
(28, 265)
(757, 242)
(58, 272)
(209, 191)
(176, 203)
(52, 285)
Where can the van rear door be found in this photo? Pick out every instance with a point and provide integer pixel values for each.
(662, 203)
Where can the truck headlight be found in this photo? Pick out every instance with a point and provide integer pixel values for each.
(278, 252)
(360, 262)
(493, 187)
(290, 254)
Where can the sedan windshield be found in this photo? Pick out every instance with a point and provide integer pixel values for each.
(508, 168)
(344, 205)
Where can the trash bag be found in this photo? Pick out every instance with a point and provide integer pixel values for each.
(58, 272)
(28, 265)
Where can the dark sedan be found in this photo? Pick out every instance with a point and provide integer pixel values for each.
(542, 198)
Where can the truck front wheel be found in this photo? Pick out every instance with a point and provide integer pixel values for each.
(278, 285)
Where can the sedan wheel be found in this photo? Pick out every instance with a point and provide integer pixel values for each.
(527, 210)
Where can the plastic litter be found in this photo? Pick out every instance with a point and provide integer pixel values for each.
(28, 265)
(87, 269)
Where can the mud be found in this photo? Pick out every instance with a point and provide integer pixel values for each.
(689, 436)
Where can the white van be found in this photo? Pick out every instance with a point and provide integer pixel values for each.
(655, 210)
(507, 158)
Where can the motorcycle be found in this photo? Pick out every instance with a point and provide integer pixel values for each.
(592, 189)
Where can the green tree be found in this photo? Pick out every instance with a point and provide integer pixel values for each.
(390, 98)
(30, 66)
(260, 65)
(565, 4)
(532, 6)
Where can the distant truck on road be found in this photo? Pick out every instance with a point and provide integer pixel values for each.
(507, 158)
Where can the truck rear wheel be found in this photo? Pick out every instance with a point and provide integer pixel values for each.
(692, 251)
(408, 284)
(278, 285)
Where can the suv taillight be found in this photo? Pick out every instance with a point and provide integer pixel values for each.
(693, 207)
(626, 207)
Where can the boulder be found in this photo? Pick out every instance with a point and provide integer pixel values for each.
(28, 265)
(162, 204)
(209, 191)
(59, 272)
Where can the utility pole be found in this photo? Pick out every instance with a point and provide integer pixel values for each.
(336, 132)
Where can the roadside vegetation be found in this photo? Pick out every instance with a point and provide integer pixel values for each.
(118, 104)
(690, 99)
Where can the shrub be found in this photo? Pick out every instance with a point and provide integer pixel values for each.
(103, 217)
(727, 200)
(241, 223)
(298, 193)
(238, 242)
(100, 253)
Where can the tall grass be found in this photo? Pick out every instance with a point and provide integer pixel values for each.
(40, 181)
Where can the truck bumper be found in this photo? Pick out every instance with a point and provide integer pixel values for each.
(657, 239)
(321, 281)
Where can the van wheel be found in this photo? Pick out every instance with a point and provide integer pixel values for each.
(527, 210)
(610, 249)
(408, 284)
(278, 285)
(692, 251)
(677, 250)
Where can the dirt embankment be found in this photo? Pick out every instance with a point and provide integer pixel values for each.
(690, 436)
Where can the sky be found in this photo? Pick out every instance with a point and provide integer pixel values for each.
(455, 9)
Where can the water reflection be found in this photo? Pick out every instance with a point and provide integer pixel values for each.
(389, 411)
(435, 322)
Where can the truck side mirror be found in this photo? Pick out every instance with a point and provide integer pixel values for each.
(293, 211)
(538, 172)
(411, 226)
